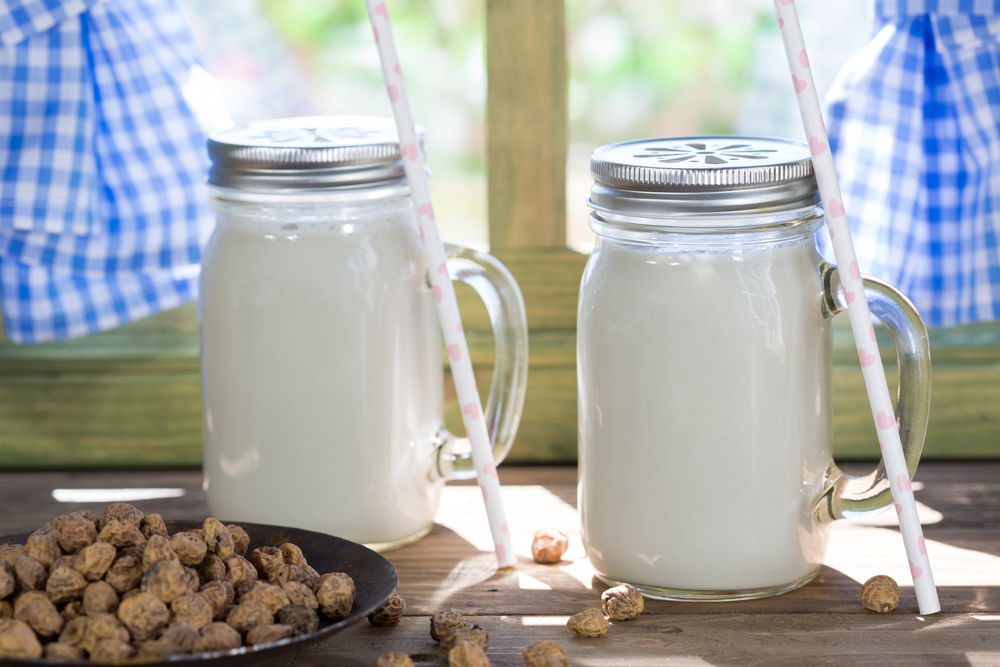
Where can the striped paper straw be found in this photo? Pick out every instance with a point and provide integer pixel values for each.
(444, 291)
(857, 307)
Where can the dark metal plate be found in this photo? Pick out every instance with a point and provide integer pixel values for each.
(374, 577)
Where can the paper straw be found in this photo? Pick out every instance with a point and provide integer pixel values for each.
(857, 307)
(444, 291)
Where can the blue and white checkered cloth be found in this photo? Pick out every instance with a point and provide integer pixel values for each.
(103, 206)
(914, 124)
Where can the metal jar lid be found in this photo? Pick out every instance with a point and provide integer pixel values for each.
(702, 175)
(309, 153)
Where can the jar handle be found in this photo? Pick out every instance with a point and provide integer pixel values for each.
(846, 496)
(499, 291)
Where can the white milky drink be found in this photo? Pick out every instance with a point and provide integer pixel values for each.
(322, 373)
(704, 371)
(705, 418)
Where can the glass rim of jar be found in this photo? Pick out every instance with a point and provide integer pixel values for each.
(760, 226)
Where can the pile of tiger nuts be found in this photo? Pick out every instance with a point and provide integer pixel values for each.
(117, 588)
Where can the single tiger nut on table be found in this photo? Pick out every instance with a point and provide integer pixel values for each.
(94, 560)
(65, 584)
(217, 637)
(189, 547)
(388, 613)
(475, 635)
(880, 593)
(152, 524)
(335, 592)
(145, 615)
(76, 532)
(18, 641)
(545, 654)
(271, 632)
(467, 654)
(588, 623)
(300, 618)
(300, 594)
(393, 660)
(549, 545)
(444, 622)
(622, 602)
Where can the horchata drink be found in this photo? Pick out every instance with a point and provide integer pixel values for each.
(704, 370)
(322, 359)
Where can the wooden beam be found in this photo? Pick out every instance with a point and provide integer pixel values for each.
(526, 124)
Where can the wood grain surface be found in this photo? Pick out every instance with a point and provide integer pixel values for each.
(822, 623)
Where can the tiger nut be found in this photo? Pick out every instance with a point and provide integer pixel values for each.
(545, 654)
(588, 623)
(18, 641)
(99, 598)
(76, 532)
(444, 622)
(622, 602)
(335, 592)
(152, 524)
(218, 538)
(241, 541)
(549, 545)
(271, 632)
(181, 634)
(145, 615)
(467, 654)
(94, 560)
(475, 635)
(217, 637)
(37, 610)
(880, 593)
(65, 584)
(122, 512)
(189, 547)
(301, 618)
(388, 613)
(301, 594)
(393, 660)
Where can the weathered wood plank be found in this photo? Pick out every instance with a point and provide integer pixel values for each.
(526, 124)
(723, 640)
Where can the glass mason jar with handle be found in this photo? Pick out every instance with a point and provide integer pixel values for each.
(705, 373)
(322, 364)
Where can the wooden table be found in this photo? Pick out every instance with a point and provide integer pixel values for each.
(822, 623)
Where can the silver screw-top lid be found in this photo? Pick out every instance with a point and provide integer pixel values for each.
(702, 175)
(294, 154)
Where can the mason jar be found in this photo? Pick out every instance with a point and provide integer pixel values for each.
(704, 371)
(321, 350)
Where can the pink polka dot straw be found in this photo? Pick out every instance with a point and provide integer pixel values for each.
(857, 307)
(444, 291)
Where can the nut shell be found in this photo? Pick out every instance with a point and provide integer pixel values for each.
(880, 594)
